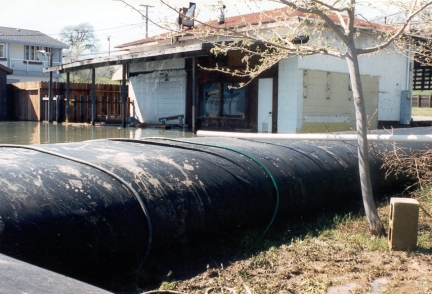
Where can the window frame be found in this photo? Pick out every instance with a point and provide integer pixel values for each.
(2, 50)
(212, 95)
(30, 52)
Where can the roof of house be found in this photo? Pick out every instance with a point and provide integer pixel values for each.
(6, 69)
(181, 50)
(29, 37)
(265, 17)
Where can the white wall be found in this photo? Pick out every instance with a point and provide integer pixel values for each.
(155, 96)
(390, 67)
(393, 73)
(289, 96)
(16, 51)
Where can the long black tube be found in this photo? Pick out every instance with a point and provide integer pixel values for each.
(111, 174)
(20, 277)
(99, 207)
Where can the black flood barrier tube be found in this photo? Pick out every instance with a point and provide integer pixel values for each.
(20, 277)
(98, 208)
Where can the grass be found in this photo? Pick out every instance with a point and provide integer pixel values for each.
(308, 256)
(421, 111)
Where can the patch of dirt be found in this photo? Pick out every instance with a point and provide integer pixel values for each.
(321, 270)
(330, 254)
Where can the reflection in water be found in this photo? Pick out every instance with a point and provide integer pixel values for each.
(27, 133)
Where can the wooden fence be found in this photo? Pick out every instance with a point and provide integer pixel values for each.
(422, 78)
(28, 101)
(422, 100)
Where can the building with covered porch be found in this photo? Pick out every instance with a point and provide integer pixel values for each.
(167, 78)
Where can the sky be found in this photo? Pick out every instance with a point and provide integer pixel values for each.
(110, 18)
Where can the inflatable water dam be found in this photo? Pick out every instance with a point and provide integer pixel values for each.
(102, 207)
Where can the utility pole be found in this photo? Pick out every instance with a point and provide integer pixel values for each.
(109, 45)
(146, 17)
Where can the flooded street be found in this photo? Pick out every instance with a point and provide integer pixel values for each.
(29, 132)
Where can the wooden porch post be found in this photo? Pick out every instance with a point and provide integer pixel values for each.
(82, 108)
(193, 94)
(59, 98)
(75, 118)
(50, 91)
(67, 96)
(123, 91)
(93, 95)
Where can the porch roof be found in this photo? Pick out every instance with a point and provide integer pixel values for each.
(176, 52)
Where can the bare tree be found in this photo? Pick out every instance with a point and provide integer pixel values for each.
(340, 17)
(82, 44)
(264, 44)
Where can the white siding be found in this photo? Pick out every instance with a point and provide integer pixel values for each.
(16, 51)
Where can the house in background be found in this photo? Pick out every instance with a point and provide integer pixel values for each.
(18, 49)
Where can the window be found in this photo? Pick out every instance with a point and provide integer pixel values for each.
(209, 102)
(232, 99)
(2, 51)
(30, 52)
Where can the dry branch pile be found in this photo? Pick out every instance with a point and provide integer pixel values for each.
(414, 164)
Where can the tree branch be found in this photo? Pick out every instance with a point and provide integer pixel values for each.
(331, 7)
(342, 22)
(351, 19)
(398, 33)
(319, 13)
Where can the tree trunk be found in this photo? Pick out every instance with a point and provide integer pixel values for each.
(375, 225)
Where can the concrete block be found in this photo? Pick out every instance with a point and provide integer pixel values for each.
(403, 224)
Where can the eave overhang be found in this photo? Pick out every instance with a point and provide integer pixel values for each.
(176, 52)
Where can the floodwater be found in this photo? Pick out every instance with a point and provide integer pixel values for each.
(28, 133)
